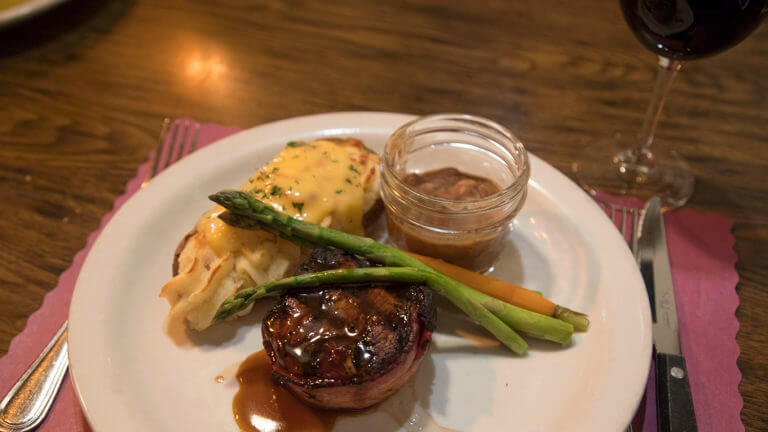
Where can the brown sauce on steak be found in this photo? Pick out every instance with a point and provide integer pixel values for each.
(326, 345)
(347, 346)
(338, 336)
(365, 338)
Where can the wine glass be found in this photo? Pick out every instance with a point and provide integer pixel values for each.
(676, 30)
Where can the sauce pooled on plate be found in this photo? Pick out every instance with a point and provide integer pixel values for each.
(262, 405)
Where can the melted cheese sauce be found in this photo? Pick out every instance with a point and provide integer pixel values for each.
(222, 238)
(311, 182)
(318, 182)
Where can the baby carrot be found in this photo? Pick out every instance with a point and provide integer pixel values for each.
(505, 291)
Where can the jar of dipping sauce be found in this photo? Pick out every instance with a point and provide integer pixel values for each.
(451, 184)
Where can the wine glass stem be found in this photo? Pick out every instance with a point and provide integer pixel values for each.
(666, 72)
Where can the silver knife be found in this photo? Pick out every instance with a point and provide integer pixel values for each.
(673, 391)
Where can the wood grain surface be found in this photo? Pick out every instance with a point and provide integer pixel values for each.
(83, 91)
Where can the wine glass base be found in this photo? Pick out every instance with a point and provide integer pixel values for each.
(615, 167)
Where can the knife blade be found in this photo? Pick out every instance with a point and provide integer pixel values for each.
(673, 392)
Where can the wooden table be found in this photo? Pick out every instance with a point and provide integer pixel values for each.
(83, 91)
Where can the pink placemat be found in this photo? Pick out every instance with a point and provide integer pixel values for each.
(703, 271)
(702, 257)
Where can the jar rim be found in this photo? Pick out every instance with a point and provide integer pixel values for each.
(442, 205)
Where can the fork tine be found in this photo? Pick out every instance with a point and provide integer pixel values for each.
(195, 136)
(170, 143)
(632, 229)
(636, 235)
(182, 142)
(612, 213)
(628, 225)
(173, 143)
(624, 222)
(158, 153)
(160, 150)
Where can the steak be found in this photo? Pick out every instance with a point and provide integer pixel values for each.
(347, 346)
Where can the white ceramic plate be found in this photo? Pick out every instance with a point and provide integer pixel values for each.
(25, 10)
(130, 376)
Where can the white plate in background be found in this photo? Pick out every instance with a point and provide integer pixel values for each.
(25, 10)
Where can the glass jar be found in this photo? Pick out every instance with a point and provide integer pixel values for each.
(469, 233)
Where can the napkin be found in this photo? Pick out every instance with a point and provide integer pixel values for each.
(702, 258)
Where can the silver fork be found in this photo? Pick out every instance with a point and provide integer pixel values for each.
(28, 402)
(627, 220)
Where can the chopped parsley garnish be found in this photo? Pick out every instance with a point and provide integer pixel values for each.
(352, 168)
(275, 169)
(298, 206)
(294, 144)
(338, 191)
(348, 181)
(263, 175)
(276, 191)
(259, 193)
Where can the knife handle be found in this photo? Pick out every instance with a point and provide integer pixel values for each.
(673, 395)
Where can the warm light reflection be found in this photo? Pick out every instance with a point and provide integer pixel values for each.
(202, 69)
(264, 424)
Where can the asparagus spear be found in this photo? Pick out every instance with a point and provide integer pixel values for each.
(246, 223)
(491, 313)
(243, 204)
(577, 320)
(531, 323)
(390, 274)
(243, 298)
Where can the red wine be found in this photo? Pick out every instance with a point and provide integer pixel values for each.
(688, 29)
